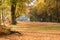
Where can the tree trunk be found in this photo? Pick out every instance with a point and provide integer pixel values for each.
(13, 16)
(57, 6)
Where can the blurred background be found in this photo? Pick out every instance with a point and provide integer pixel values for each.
(30, 11)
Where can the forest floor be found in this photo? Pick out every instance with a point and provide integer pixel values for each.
(34, 31)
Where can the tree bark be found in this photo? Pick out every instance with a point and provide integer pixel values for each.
(13, 16)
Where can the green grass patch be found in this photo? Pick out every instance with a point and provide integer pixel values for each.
(44, 28)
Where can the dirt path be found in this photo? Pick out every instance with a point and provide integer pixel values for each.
(27, 34)
(33, 35)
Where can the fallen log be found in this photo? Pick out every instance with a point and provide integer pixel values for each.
(6, 31)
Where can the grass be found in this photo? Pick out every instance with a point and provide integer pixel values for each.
(36, 26)
(40, 28)
(48, 27)
(45, 28)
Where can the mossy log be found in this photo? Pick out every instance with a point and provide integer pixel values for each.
(5, 31)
